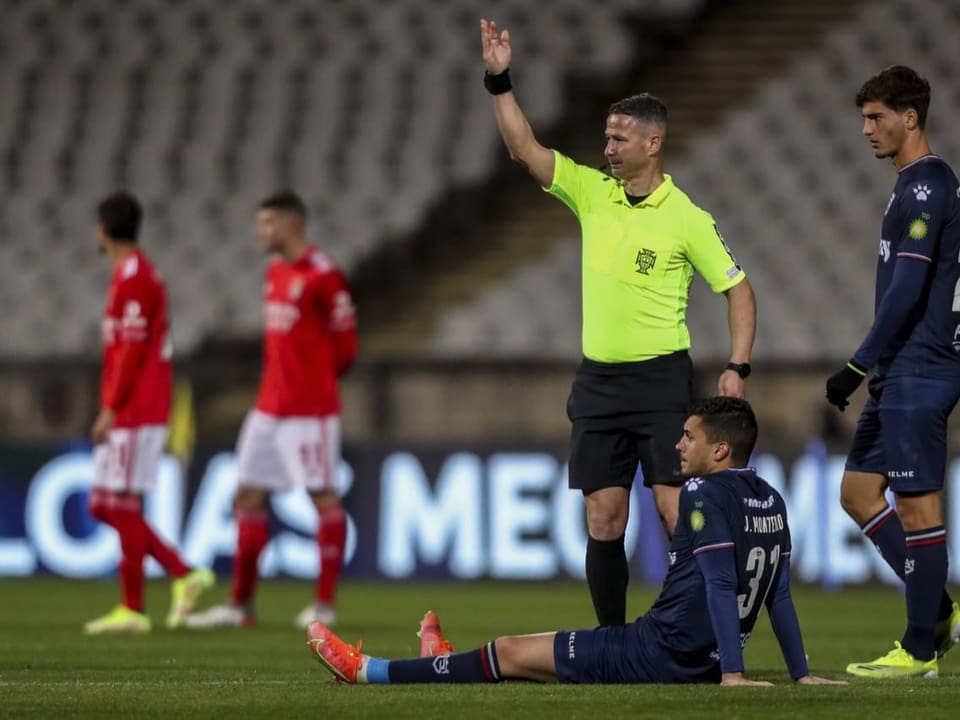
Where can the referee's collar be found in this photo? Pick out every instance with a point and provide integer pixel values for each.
(619, 195)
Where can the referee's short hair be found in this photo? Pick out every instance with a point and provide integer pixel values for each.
(120, 213)
(730, 420)
(285, 201)
(644, 107)
(899, 88)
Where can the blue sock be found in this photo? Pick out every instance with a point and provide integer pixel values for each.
(475, 666)
(885, 531)
(926, 574)
(377, 671)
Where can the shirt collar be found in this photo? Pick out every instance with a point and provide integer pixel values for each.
(618, 195)
(306, 259)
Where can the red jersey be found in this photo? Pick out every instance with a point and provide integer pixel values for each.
(137, 369)
(311, 336)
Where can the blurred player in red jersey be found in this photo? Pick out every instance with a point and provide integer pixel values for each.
(131, 428)
(291, 438)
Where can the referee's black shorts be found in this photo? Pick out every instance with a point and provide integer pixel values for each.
(625, 415)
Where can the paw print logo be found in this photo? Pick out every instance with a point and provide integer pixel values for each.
(693, 484)
(922, 192)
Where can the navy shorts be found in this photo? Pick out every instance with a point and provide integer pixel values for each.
(902, 432)
(610, 655)
(625, 654)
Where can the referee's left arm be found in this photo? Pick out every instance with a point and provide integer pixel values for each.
(742, 319)
(514, 127)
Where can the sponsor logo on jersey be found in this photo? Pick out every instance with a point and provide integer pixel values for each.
(646, 259)
(132, 319)
(697, 521)
(918, 229)
(885, 250)
(693, 484)
(281, 316)
(922, 192)
(752, 502)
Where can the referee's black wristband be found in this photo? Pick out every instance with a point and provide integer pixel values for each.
(497, 84)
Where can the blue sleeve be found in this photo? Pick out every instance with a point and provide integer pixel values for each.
(718, 567)
(702, 515)
(786, 626)
(921, 213)
(905, 291)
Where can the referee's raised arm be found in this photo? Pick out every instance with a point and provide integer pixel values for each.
(516, 131)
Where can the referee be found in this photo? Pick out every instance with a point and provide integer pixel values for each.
(642, 240)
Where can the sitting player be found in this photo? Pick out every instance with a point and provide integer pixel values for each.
(730, 556)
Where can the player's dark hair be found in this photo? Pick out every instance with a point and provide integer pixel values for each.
(285, 201)
(120, 214)
(644, 107)
(899, 88)
(730, 420)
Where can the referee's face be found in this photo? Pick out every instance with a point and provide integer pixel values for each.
(631, 145)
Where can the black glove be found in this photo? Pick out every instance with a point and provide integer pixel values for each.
(841, 385)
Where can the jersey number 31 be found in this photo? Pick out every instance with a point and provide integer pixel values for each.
(757, 562)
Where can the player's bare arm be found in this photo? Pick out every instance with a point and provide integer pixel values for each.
(742, 319)
(736, 678)
(514, 128)
(814, 680)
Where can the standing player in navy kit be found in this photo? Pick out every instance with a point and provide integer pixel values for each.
(914, 350)
(729, 557)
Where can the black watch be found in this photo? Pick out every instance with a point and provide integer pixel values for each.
(741, 369)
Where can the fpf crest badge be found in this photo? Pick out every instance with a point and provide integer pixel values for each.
(646, 259)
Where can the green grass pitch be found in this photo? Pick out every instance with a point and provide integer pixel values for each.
(48, 669)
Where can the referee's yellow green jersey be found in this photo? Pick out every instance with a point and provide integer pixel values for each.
(638, 262)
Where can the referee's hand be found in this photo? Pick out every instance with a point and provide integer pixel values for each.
(730, 384)
(496, 47)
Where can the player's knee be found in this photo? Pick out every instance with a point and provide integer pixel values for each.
(506, 649)
(858, 504)
(606, 525)
(849, 501)
(606, 515)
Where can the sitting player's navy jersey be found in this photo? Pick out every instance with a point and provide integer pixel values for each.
(731, 509)
(922, 223)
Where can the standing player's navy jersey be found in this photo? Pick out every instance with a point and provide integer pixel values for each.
(733, 509)
(922, 224)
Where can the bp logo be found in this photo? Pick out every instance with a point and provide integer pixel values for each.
(697, 521)
(646, 259)
(918, 229)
